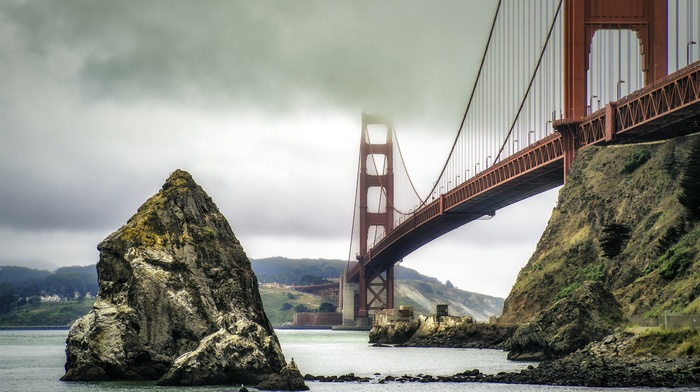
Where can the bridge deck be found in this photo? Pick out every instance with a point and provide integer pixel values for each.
(536, 169)
(667, 108)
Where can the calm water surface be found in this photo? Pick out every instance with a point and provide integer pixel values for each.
(33, 361)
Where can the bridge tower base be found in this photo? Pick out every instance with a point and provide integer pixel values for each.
(349, 299)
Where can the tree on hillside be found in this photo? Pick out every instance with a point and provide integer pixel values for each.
(7, 297)
(327, 308)
(613, 238)
(670, 163)
(690, 182)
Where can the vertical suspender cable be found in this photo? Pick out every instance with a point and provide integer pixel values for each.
(677, 39)
(534, 73)
(471, 97)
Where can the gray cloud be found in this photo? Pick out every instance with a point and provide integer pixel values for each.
(259, 100)
(412, 58)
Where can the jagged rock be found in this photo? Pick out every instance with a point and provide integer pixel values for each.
(289, 379)
(465, 335)
(397, 332)
(229, 356)
(174, 283)
(431, 325)
(589, 314)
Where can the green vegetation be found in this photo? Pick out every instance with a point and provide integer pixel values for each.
(670, 163)
(315, 271)
(672, 235)
(563, 293)
(665, 343)
(690, 182)
(18, 284)
(20, 290)
(281, 304)
(632, 229)
(209, 233)
(675, 261)
(34, 313)
(636, 159)
(327, 307)
(613, 238)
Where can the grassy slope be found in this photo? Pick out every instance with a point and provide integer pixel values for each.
(599, 193)
(274, 298)
(424, 297)
(47, 314)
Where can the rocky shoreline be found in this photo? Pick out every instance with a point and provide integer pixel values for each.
(576, 370)
(575, 342)
(573, 371)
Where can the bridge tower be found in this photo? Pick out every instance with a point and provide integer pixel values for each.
(376, 285)
(582, 18)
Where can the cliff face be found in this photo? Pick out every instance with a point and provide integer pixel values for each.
(618, 221)
(175, 283)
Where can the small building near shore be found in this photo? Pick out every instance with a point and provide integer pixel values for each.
(317, 319)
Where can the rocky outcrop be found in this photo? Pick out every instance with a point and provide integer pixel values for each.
(442, 331)
(289, 379)
(175, 289)
(588, 314)
(393, 333)
(618, 220)
(616, 361)
(620, 360)
(465, 335)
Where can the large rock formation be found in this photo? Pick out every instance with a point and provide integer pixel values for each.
(619, 221)
(176, 295)
(589, 314)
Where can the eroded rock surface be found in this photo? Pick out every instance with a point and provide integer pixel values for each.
(175, 288)
(589, 314)
(393, 333)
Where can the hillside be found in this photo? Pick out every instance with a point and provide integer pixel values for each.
(308, 271)
(618, 220)
(424, 297)
(413, 289)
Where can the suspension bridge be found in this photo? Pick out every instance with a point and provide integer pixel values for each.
(555, 76)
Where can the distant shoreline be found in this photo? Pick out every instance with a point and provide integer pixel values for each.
(38, 328)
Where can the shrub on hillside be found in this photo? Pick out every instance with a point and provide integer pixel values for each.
(636, 159)
(690, 183)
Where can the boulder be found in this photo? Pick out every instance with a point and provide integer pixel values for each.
(176, 289)
(289, 379)
(588, 314)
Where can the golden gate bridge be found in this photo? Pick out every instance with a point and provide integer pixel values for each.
(555, 76)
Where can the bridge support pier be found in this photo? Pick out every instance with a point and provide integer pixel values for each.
(569, 143)
(349, 300)
(376, 290)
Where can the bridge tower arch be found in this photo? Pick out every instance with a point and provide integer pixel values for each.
(376, 285)
(582, 18)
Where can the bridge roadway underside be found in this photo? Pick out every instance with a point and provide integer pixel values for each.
(533, 182)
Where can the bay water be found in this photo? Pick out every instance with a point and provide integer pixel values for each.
(33, 360)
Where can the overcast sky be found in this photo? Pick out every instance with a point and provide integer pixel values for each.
(260, 101)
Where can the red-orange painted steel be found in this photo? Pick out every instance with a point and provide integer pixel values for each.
(384, 180)
(652, 113)
(668, 106)
(582, 18)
